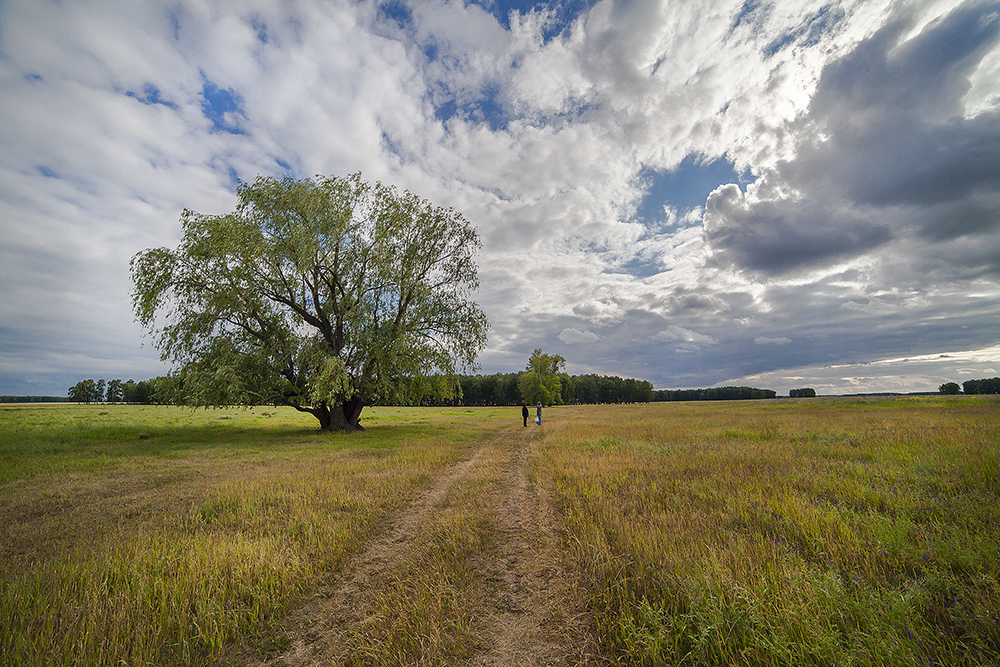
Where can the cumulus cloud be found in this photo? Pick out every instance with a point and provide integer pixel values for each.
(865, 135)
(577, 337)
(775, 236)
(685, 339)
(886, 153)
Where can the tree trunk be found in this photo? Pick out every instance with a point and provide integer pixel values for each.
(341, 417)
(352, 414)
(322, 413)
(344, 416)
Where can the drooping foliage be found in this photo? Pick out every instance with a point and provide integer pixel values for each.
(323, 294)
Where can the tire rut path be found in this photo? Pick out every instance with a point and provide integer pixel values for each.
(540, 616)
(535, 612)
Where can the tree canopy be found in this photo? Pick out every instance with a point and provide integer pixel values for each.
(323, 294)
(541, 381)
(984, 386)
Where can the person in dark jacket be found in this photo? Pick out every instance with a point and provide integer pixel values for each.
(524, 412)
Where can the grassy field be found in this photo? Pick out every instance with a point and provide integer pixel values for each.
(805, 532)
(822, 531)
(158, 535)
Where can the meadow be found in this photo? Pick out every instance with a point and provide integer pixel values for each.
(793, 532)
(158, 535)
(788, 532)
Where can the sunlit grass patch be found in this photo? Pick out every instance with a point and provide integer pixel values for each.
(827, 532)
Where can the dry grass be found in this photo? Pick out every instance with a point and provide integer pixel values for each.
(827, 532)
(806, 532)
(162, 550)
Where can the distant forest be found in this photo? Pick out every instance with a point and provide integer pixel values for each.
(484, 390)
(496, 389)
(503, 389)
(33, 399)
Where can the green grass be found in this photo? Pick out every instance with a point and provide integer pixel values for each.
(792, 532)
(163, 549)
(831, 532)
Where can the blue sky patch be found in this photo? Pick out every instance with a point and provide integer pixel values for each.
(565, 12)
(446, 111)
(260, 28)
(642, 268)
(431, 50)
(397, 12)
(286, 169)
(222, 106)
(751, 12)
(684, 188)
(46, 172)
(150, 95)
(824, 21)
(487, 109)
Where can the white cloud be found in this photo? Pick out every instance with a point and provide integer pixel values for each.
(874, 204)
(686, 340)
(765, 340)
(577, 337)
(923, 373)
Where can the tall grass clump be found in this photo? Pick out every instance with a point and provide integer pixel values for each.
(164, 549)
(148, 601)
(828, 532)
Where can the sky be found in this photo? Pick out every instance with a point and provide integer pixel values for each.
(776, 194)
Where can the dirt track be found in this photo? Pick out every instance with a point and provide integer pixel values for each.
(530, 613)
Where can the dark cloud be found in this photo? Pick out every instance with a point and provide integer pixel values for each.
(886, 152)
(778, 236)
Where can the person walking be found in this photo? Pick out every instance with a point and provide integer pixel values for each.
(524, 412)
(538, 413)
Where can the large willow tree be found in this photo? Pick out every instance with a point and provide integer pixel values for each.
(323, 294)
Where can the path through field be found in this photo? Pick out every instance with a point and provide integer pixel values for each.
(525, 608)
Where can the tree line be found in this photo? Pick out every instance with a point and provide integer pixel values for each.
(475, 390)
(509, 389)
(714, 394)
(805, 392)
(541, 381)
(984, 386)
(472, 390)
(33, 399)
(117, 391)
